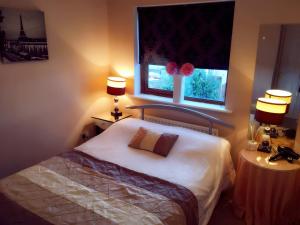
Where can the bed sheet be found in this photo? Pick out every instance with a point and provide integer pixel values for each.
(198, 161)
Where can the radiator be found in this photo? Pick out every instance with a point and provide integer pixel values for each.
(174, 123)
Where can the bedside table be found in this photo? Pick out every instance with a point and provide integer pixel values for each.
(267, 193)
(103, 121)
(283, 141)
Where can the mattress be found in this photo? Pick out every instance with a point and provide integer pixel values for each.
(198, 161)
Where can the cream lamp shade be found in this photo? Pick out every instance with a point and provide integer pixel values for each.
(270, 111)
(116, 86)
(285, 96)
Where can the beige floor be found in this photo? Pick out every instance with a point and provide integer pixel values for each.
(223, 214)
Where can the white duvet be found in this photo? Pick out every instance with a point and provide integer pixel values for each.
(198, 161)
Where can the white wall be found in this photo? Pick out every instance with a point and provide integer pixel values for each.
(43, 105)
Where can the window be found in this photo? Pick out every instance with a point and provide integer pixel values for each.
(159, 79)
(195, 33)
(206, 85)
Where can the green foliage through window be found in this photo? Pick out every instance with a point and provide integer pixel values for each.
(205, 84)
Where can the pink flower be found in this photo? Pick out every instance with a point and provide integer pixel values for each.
(171, 68)
(186, 69)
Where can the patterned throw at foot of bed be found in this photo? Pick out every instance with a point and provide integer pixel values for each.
(75, 188)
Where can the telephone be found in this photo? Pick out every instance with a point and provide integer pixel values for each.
(285, 153)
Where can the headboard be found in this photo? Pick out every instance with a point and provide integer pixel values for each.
(210, 119)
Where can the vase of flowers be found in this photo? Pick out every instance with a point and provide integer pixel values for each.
(185, 70)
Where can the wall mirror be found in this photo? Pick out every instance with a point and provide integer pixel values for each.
(278, 67)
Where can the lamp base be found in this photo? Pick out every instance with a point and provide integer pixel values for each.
(116, 114)
(271, 131)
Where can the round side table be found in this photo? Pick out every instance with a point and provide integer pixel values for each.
(267, 193)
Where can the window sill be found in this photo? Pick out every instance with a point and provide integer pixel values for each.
(185, 103)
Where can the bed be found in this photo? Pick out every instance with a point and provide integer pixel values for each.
(103, 181)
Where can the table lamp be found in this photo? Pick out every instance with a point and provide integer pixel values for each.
(285, 96)
(116, 87)
(271, 112)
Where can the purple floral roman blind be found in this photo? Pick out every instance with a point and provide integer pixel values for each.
(195, 33)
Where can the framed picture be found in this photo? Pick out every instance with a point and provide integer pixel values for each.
(22, 35)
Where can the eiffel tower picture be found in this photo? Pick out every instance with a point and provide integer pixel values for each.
(22, 36)
(22, 32)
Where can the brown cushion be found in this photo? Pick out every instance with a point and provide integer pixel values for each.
(159, 143)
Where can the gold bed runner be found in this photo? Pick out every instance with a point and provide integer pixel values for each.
(115, 210)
